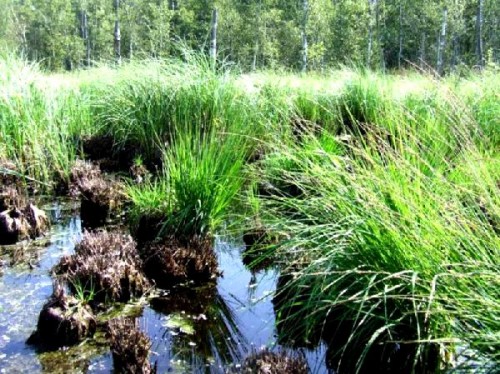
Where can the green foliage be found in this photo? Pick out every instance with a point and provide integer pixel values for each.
(39, 120)
(253, 34)
(203, 174)
(396, 236)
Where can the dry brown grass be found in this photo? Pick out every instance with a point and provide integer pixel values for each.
(130, 347)
(105, 266)
(267, 362)
(172, 261)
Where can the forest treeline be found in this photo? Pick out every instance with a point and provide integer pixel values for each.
(295, 34)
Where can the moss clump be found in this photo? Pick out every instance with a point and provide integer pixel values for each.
(105, 267)
(63, 321)
(130, 347)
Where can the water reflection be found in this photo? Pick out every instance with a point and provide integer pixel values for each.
(203, 330)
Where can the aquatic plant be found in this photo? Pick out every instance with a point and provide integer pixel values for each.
(395, 247)
(203, 173)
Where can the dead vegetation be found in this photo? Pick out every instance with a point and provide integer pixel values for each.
(99, 194)
(129, 346)
(172, 261)
(267, 362)
(10, 197)
(105, 266)
(21, 224)
(8, 173)
(63, 321)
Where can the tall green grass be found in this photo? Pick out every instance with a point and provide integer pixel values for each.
(39, 121)
(203, 173)
(396, 232)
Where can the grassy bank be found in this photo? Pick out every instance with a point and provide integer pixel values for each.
(384, 189)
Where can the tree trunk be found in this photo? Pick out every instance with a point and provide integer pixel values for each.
(305, 46)
(400, 51)
(379, 35)
(422, 52)
(456, 50)
(117, 34)
(85, 36)
(255, 52)
(370, 32)
(213, 37)
(479, 30)
(118, 54)
(442, 44)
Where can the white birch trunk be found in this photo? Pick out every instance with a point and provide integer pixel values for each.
(213, 37)
(442, 43)
(305, 45)
(479, 28)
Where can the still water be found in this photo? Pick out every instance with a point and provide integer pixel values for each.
(197, 330)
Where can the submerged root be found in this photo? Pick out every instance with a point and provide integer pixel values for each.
(105, 267)
(130, 347)
(174, 261)
(63, 321)
(267, 362)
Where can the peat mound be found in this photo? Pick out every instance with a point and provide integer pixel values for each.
(105, 267)
(8, 173)
(63, 321)
(110, 156)
(20, 224)
(99, 194)
(171, 261)
(10, 197)
(267, 362)
(129, 346)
